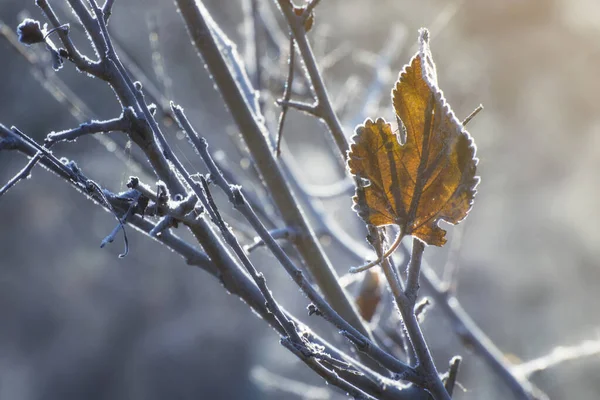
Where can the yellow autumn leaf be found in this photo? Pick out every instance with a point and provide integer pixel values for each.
(426, 178)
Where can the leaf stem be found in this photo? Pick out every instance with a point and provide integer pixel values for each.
(386, 254)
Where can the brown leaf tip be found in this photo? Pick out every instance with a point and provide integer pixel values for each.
(428, 66)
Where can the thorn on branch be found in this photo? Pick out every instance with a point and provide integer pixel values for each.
(107, 10)
(421, 308)
(313, 310)
(450, 379)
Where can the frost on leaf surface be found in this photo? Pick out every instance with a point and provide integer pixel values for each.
(430, 177)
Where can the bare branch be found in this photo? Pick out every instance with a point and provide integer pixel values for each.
(235, 195)
(234, 280)
(259, 279)
(198, 22)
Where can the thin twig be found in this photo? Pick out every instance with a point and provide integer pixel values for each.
(421, 308)
(283, 233)
(472, 115)
(287, 95)
(308, 108)
(56, 88)
(121, 123)
(557, 356)
(258, 278)
(23, 174)
(325, 108)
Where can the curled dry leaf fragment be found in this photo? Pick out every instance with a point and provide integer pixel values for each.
(310, 19)
(429, 176)
(369, 295)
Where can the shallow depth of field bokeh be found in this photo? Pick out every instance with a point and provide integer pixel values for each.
(80, 323)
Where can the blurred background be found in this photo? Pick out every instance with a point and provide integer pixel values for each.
(79, 323)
